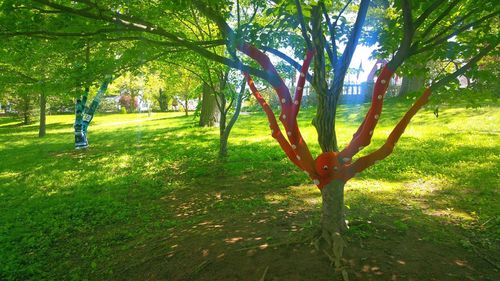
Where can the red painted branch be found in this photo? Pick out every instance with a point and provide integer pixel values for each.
(278, 84)
(300, 84)
(386, 149)
(299, 153)
(364, 134)
(273, 124)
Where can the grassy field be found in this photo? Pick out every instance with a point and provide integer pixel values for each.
(149, 201)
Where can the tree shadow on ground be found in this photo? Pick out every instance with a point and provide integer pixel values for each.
(236, 232)
(159, 206)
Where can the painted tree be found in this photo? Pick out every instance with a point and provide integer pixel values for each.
(84, 114)
(409, 31)
(109, 67)
(69, 61)
(424, 29)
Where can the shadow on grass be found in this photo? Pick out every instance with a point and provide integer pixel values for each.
(149, 202)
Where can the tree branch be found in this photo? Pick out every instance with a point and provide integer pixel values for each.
(7, 68)
(448, 78)
(434, 5)
(331, 29)
(302, 23)
(386, 149)
(438, 19)
(341, 12)
(345, 59)
(144, 26)
(404, 49)
(286, 58)
(430, 45)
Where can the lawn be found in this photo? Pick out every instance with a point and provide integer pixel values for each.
(150, 201)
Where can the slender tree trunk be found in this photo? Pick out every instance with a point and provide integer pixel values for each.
(223, 136)
(26, 110)
(186, 110)
(210, 113)
(162, 101)
(43, 107)
(226, 130)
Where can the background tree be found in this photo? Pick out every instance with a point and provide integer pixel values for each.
(32, 81)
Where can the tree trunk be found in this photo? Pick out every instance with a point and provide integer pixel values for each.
(226, 130)
(410, 85)
(186, 110)
(333, 221)
(333, 217)
(43, 106)
(26, 110)
(324, 121)
(210, 113)
(224, 136)
(163, 101)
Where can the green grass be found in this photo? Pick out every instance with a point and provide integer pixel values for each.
(67, 214)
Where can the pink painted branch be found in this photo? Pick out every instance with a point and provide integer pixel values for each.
(300, 84)
(287, 117)
(278, 85)
(275, 129)
(296, 138)
(364, 134)
(386, 149)
(281, 89)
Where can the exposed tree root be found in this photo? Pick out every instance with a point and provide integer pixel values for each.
(332, 245)
(264, 274)
(287, 243)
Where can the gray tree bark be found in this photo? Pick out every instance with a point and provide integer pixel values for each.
(43, 117)
(26, 110)
(332, 214)
(210, 113)
(225, 130)
(332, 221)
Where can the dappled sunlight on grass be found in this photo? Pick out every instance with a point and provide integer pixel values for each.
(150, 183)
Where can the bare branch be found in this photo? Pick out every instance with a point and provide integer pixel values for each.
(331, 29)
(341, 12)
